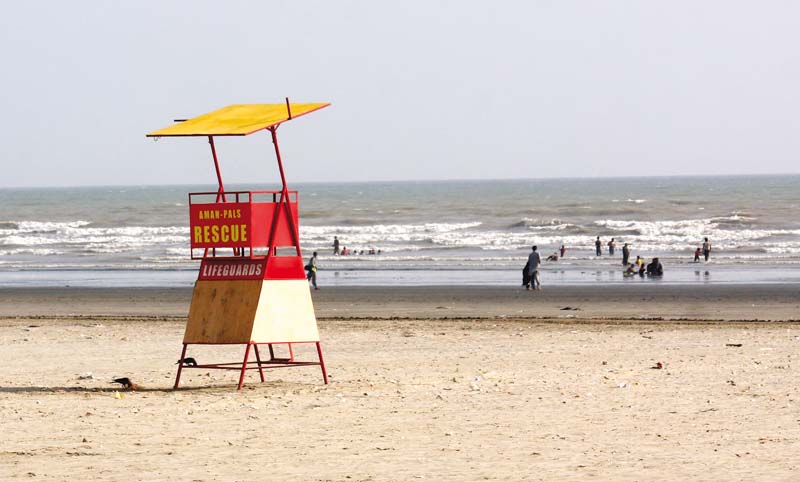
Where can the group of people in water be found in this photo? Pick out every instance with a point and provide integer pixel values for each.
(654, 268)
(530, 273)
(345, 251)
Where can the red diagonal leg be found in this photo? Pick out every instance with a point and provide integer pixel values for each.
(322, 363)
(244, 366)
(258, 359)
(180, 367)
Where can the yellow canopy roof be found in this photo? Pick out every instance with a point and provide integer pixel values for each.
(237, 120)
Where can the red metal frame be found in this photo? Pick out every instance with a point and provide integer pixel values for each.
(259, 364)
(271, 271)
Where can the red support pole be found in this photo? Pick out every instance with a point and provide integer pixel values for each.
(258, 359)
(244, 366)
(322, 363)
(180, 367)
(285, 193)
(221, 188)
(291, 352)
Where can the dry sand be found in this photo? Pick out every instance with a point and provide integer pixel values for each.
(464, 386)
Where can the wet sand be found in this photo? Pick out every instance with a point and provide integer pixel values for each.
(669, 302)
(426, 384)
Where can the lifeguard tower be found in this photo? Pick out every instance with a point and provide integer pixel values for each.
(251, 289)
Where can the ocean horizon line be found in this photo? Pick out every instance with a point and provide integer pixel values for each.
(411, 181)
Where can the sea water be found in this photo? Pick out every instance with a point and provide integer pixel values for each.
(432, 232)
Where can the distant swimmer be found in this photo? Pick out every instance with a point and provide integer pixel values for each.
(553, 257)
(630, 271)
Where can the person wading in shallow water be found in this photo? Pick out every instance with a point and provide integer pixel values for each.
(534, 260)
(626, 254)
(706, 248)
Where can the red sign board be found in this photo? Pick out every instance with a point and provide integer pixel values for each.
(220, 225)
(232, 269)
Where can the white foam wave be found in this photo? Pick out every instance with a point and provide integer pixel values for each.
(98, 240)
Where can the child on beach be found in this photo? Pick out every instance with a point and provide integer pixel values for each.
(311, 270)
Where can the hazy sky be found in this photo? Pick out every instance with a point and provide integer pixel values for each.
(420, 89)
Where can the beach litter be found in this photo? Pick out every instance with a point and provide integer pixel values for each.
(736, 345)
(86, 376)
(657, 366)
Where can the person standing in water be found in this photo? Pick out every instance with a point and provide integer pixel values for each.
(563, 250)
(335, 245)
(706, 248)
(626, 254)
(612, 245)
(534, 260)
(598, 247)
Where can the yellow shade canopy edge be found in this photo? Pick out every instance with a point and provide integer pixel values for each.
(238, 120)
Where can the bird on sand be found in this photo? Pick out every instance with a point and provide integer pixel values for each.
(188, 361)
(126, 383)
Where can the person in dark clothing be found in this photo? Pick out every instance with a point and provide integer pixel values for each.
(626, 254)
(335, 245)
(655, 268)
(598, 246)
(526, 275)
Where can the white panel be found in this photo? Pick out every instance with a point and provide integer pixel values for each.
(285, 313)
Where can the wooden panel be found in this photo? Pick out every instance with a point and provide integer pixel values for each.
(222, 311)
(285, 313)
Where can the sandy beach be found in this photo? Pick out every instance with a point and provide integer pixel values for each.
(486, 383)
